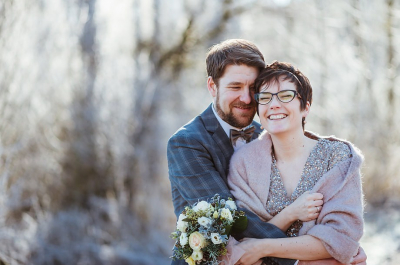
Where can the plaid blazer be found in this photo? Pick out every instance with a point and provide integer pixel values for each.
(198, 162)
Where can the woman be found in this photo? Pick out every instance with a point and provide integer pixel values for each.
(285, 174)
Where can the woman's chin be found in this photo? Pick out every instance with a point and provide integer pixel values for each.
(274, 130)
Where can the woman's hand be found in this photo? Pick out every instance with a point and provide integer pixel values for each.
(307, 207)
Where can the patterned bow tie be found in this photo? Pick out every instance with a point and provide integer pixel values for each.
(245, 134)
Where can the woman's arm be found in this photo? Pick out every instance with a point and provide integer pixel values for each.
(302, 248)
(304, 208)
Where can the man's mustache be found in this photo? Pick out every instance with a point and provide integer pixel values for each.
(244, 105)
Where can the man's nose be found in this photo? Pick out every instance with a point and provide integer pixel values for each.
(246, 96)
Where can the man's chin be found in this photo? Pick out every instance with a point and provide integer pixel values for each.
(244, 122)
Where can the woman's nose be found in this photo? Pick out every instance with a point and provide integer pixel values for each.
(275, 103)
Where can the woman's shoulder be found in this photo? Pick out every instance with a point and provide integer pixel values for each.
(337, 151)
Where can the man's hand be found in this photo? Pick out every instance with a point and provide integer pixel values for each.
(253, 252)
(359, 259)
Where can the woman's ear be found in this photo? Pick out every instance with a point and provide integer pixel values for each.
(212, 87)
(306, 110)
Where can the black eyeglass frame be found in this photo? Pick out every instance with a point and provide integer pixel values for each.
(257, 96)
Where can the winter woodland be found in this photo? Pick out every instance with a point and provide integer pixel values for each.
(91, 90)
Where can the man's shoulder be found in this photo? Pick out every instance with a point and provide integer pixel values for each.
(197, 127)
(197, 131)
(193, 129)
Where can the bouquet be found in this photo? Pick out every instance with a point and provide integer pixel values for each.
(203, 229)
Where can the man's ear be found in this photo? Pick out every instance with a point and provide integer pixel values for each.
(212, 87)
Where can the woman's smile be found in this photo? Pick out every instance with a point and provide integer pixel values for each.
(277, 116)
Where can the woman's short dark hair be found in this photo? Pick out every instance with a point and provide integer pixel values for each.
(273, 72)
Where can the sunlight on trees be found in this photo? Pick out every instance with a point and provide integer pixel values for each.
(91, 90)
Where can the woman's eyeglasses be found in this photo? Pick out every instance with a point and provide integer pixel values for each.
(284, 96)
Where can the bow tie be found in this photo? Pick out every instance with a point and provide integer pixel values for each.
(245, 134)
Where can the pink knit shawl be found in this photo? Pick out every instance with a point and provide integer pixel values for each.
(340, 223)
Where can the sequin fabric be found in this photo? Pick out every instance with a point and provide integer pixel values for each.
(323, 157)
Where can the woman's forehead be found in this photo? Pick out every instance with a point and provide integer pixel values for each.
(278, 85)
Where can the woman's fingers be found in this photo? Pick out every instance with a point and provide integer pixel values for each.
(316, 196)
(314, 203)
(308, 206)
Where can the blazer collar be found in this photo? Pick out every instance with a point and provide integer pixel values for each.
(210, 121)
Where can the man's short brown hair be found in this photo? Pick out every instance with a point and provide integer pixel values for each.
(232, 52)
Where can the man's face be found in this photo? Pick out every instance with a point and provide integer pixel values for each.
(234, 96)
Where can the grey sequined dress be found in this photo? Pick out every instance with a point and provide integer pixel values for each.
(323, 157)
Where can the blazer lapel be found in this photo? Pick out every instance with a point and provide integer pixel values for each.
(225, 150)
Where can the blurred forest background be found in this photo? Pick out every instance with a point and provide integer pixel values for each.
(91, 90)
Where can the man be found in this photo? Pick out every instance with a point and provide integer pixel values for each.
(200, 151)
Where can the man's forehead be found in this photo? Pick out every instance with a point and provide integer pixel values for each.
(240, 69)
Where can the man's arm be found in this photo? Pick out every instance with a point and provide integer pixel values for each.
(194, 177)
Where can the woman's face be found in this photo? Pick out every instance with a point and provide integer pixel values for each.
(278, 117)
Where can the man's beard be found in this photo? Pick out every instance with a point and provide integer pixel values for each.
(230, 117)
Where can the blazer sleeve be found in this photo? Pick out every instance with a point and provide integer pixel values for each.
(192, 172)
(194, 177)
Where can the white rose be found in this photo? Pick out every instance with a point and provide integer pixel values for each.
(197, 255)
(201, 206)
(182, 225)
(183, 239)
(216, 238)
(231, 205)
(226, 214)
(204, 221)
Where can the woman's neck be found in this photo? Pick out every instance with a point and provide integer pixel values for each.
(290, 146)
